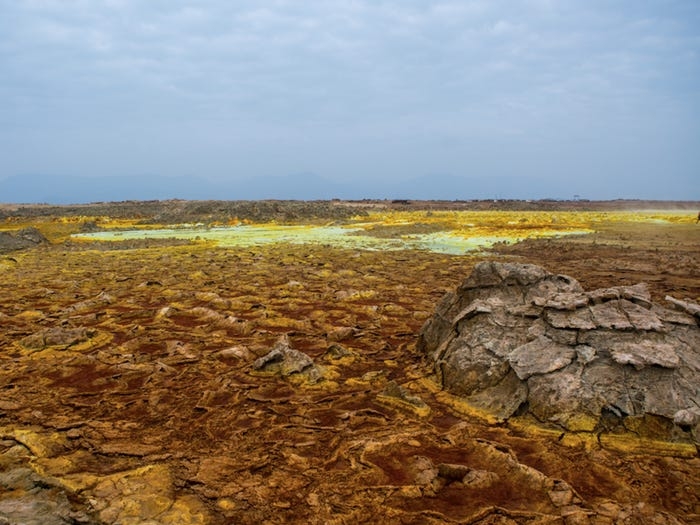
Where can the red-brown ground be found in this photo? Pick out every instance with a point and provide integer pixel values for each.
(136, 358)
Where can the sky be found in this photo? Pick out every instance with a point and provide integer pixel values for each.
(510, 98)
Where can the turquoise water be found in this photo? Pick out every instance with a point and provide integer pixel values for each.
(337, 236)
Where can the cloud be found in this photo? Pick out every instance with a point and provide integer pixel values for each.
(345, 87)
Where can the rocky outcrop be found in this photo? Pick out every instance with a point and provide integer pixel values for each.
(41, 483)
(514, 339)
(20, 240)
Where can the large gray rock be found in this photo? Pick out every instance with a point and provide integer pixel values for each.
(514, 338)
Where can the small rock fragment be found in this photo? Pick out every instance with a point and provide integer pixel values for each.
(285, 361)
(396, 395)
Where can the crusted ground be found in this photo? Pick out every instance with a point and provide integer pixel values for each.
(130, 390)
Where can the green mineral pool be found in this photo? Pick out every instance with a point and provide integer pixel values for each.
(337, 236)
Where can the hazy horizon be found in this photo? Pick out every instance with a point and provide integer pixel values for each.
(85, 190)
(526, 99)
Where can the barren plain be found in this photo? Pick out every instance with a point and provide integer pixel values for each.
(132, 389)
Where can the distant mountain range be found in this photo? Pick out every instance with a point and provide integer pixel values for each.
(77, 190)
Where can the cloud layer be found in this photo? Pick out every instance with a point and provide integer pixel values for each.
(604, 95)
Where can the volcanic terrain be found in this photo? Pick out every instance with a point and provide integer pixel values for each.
(174, 381)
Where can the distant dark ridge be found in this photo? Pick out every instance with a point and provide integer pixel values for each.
(543, 204)
(181, 211)
(210, 211)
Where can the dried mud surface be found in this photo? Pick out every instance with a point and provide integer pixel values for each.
(128, 392)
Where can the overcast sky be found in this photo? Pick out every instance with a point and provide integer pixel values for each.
(600, 97)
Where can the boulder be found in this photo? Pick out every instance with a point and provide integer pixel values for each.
(515, 339)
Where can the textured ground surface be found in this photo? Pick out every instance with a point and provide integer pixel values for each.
(129, 393)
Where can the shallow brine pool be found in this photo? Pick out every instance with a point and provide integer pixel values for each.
(336, 236)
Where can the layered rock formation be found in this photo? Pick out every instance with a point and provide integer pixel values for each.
(514, 339)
